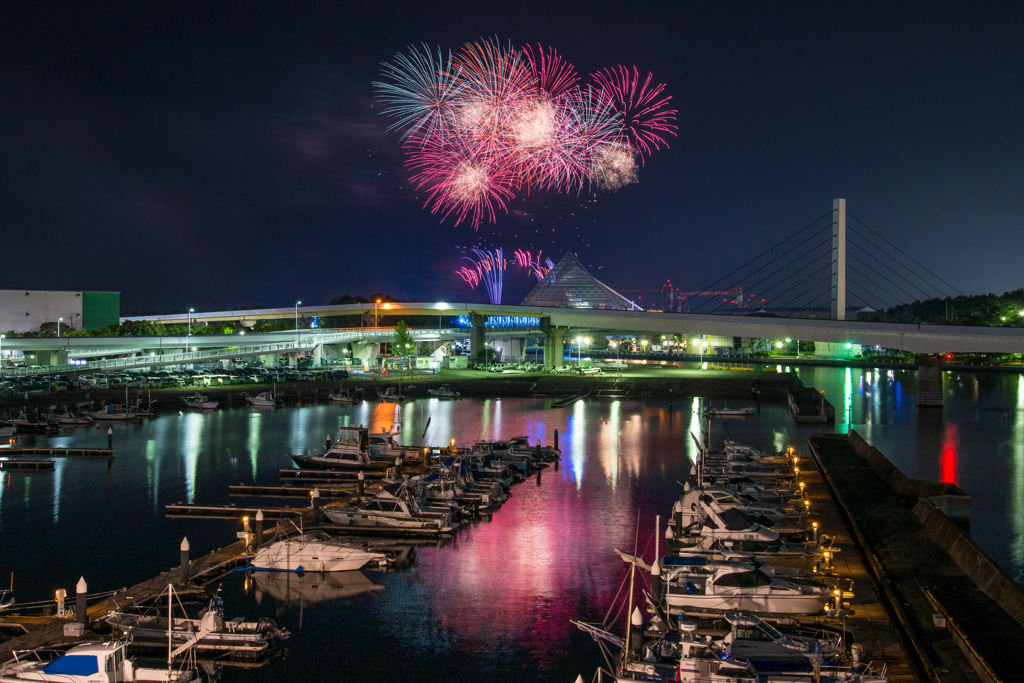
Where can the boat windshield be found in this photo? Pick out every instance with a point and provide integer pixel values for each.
(771, 631)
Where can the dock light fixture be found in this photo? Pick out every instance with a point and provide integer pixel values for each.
(814, 525)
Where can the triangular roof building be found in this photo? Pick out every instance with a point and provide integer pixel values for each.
(570, 285)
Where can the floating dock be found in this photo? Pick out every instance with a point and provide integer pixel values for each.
(54, 452)
(30, 465)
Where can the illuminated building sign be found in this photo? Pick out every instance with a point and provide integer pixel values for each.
(502, 321)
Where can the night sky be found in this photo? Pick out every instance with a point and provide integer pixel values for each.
(213, 155)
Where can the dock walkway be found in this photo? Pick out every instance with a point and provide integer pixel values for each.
(48, 632)
(906, 563)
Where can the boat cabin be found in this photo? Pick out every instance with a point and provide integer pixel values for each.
(93, 662)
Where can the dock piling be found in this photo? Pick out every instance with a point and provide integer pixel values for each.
(327, 441)
(110, 438)
(258, 531)
(316, 504)
(362, 484)
(81, 609)
(398, 466)
(556, 439)
(184, 560)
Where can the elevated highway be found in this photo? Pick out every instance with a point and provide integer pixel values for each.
(914, 338)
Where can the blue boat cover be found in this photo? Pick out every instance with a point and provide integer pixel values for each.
(73, 665)
(430, 477)
(448, 462)
(675, 561)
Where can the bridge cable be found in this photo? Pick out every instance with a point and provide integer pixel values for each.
(827, 303)
(790, 288)
(785, 253)
(873, 293)
(867, 296)
(902, 277)
(868, 265)
(905, 254)
(811, 224)
(780, 268)
(809, 288)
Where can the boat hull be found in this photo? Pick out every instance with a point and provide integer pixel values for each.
(765, 603)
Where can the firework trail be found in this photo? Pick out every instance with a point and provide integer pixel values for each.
(526, 260)
(488, 268)
(488, 121)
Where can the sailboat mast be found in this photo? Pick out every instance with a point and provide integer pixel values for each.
(629, 612)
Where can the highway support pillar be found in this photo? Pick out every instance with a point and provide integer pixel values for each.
(929, 380)
(839, 259)
(318, 355)
(554, 344)
(477, 339)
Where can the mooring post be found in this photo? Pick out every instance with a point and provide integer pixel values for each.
(398, 466)
(258, 531)
(362, 483)
(316, 505)
(81, 611)
(327, 441)
(184, 560)
(670, 397)
(110, 438)
(556, 439)
(637, 632)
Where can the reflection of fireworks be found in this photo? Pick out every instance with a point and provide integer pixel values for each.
(487, 268)
(490, 120)
(526, 260)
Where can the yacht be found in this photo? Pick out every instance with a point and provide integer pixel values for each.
(315, 552)
(444, 391)
(696, 583)
(7, 431)
(392, 510)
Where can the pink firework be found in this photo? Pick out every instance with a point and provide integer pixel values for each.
(646, 117)
(460, 180)
(488, 121)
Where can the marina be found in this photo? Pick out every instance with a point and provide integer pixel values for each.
(865, 615)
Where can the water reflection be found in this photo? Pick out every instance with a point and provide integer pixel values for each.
(577, 434)
(307, 589)
(255, 424)
(191, 447)
(1016, 503)
(948, 459)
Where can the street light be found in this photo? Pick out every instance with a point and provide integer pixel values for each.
(298, 339)
(59, 321)
(2, 349)
(376, 318)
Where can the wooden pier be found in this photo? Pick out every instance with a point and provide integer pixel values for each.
(232, 511)
(55, 452)
(48, 632)
(252, 490)
(30, 465)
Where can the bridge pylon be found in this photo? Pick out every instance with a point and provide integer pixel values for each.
(839, 259)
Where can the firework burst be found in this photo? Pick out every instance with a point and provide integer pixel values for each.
(489, 120)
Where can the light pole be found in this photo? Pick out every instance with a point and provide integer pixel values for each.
(298, 339)
(376, 318)
(2, 349)
(59, 321)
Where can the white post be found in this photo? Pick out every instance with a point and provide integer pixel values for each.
(839, 259)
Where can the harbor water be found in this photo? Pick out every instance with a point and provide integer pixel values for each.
(494, 602)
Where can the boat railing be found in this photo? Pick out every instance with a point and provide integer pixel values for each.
(309, 452)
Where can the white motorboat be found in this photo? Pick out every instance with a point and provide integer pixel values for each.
(315, 552)
(266, 399)
(200, 402)
(392, 510)
(8, 431)
(444, 391)
(390, 393)
(88, 663)
(342, 396)
(113, 413)
(728, 410)
(695, 583)
(69, 419)
(6, 599)
(245, 636)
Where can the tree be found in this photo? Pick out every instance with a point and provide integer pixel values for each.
(403, 343)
